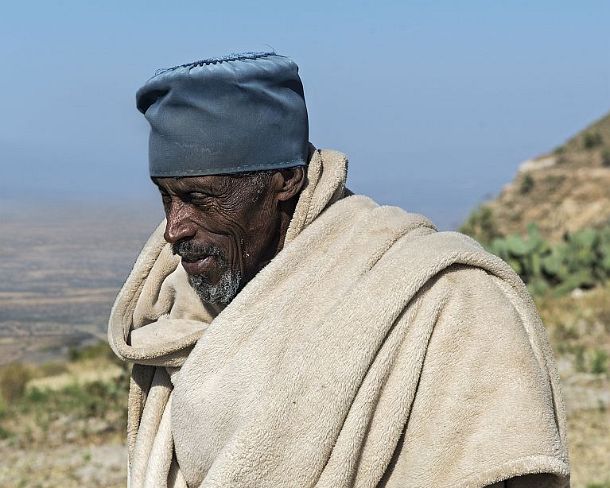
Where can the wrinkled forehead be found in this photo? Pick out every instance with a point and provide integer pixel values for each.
(188, 184)
(210, 184)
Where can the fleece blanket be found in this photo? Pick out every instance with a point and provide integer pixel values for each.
(373, 350)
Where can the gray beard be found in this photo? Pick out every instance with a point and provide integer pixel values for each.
(229, 283)
(220, 293)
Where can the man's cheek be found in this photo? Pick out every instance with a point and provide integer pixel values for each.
(234, 237)
(220, 220)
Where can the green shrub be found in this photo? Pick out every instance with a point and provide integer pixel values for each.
(581, 260)
(591, 140)
(95, 351)
(97, 399)
(579, 359)
(481, 225)
(527, 184)
(37, 395)
(13, 379)
(599, 362)
(5, 434)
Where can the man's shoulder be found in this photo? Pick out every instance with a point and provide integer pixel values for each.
(480, 303)
(468, 282)
(488, 378)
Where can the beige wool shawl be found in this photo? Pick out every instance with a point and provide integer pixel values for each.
(371, 351)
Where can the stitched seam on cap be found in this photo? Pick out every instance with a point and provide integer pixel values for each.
(220, 59)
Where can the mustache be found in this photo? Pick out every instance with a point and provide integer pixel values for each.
(191, 251)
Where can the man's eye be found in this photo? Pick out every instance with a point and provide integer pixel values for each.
(199, 199)
(200, 196)
(202, 203)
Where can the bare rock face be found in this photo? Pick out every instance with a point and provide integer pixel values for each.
(564, 191)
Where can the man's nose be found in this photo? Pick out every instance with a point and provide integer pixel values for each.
(179, 224)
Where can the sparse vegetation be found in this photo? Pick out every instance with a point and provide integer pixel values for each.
(587, 360)
(56, 415)
(13, 379)
(527, 184)
(568, 192)
(606, 157)
(599, 362)
(52, 368)
(98, 351)
(553, 181)
(578, 325)
(591, 139)
(29, 407)
(481, 225)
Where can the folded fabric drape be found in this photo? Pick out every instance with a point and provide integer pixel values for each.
(371, 351)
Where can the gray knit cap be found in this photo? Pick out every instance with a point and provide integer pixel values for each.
(237, 113)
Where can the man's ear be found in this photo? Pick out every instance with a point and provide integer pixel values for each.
(288, 182)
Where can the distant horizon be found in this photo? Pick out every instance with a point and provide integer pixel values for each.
(149, 201)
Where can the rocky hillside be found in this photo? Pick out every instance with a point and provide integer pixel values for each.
(563, 191)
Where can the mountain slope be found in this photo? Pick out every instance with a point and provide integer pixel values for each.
(563, 191)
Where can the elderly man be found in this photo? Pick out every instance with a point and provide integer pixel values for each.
(287, 333)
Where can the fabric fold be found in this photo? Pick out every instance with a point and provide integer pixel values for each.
(321, 370)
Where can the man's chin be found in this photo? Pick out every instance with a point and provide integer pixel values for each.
(219, 292)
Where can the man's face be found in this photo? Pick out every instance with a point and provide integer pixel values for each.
(224, 227)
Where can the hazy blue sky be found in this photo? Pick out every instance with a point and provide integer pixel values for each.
(435, 102)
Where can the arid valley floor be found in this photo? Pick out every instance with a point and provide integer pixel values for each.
(61, 267)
